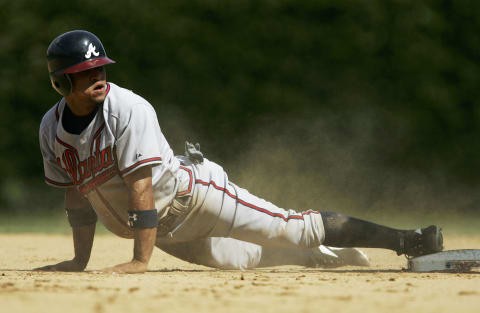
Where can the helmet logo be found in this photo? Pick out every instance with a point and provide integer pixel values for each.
(91, 50)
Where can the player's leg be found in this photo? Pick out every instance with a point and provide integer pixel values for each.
(322, 256)
(229, 253)
(259, 221)
(222, 253)
(345, 231)
(222, 209)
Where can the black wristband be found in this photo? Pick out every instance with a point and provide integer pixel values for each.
(143, 219)
(81, 216)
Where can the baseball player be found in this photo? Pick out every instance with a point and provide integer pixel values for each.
(103, 144)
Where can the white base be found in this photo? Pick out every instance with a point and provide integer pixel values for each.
(446, 261)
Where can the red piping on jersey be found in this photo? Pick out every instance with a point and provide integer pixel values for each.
(48, 180)
(97, 133)
(252, 206)
(189, 184)
(67, 145)
(98, 180)
(139, 163)
(99, 130)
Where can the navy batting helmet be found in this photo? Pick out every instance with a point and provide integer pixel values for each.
(73, 52)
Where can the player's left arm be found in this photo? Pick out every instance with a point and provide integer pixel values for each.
(140, 188)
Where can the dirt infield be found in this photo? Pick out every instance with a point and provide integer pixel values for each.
(175, 286)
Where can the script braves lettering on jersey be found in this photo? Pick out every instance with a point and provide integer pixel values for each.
(79, 170)
(91, 50)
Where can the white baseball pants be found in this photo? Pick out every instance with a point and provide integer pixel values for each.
(219, 208)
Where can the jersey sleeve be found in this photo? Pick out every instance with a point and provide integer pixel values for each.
(54, 174)
(139, 139)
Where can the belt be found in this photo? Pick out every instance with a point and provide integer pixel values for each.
(177, 210)
(180, 205)
(165, 224)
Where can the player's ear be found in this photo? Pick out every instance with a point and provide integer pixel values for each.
(71, 79)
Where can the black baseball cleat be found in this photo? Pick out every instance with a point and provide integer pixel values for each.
(422, 241)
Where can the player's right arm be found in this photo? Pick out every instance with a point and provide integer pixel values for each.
(83, 219)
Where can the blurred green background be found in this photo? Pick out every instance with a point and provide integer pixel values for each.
(365, 107)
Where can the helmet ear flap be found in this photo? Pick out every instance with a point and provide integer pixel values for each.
(61, 83)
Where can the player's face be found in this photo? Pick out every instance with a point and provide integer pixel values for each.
(90, 85)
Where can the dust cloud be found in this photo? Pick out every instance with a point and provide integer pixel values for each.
(334, 161)
(343, 163)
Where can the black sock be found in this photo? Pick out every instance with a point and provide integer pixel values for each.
(345, 231)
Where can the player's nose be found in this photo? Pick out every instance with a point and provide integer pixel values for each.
(97, 74)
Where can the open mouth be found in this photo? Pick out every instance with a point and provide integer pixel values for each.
(99, 87)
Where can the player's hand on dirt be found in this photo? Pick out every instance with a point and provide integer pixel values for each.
(133, 267)
(65, 266)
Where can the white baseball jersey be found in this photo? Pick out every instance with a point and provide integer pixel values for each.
(123, 136)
